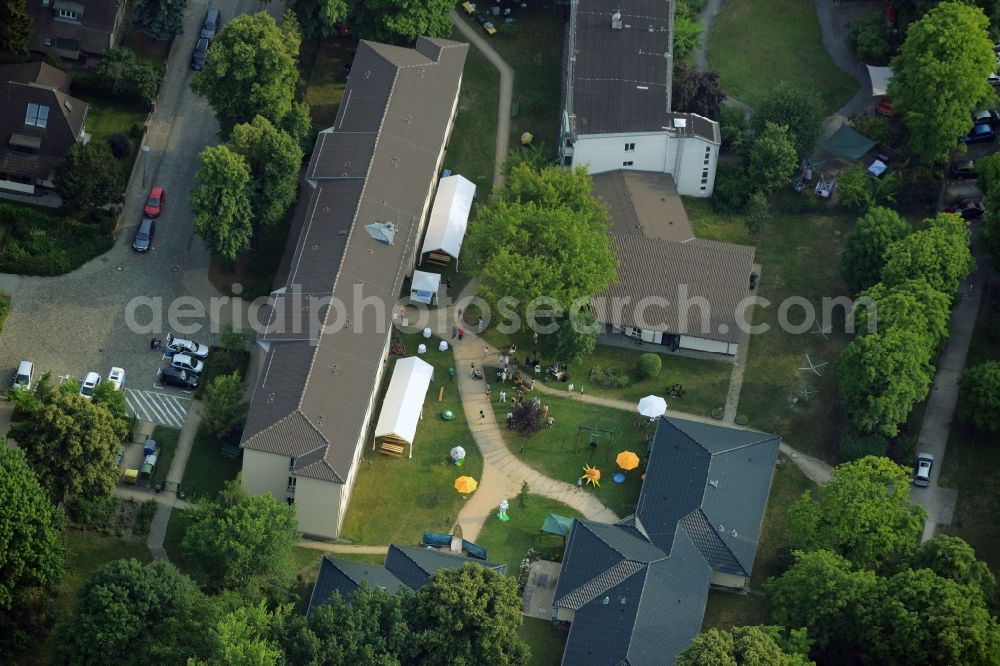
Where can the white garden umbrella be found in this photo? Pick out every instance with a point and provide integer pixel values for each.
(652, 406)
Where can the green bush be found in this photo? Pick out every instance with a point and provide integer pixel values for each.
(649, 365)
(872, 42)
(39, 243)
(4, 308)
(733, 128)
(123, 75)
(854, 445)
(612, 378)
(732, 189)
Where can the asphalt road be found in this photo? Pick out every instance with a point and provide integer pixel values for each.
(76, 323)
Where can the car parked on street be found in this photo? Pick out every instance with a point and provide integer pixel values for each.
(154, 202)
(144, 235)
(185, 362)
(922, 475)
(212, 23)
(171, 376)
(117, 378)
(963, 169)
(988, 116)
(981, 133)
(200, 54)
(970, 209)
(189, 347)
(89, 385)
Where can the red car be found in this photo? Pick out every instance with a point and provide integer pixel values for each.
(154, 203)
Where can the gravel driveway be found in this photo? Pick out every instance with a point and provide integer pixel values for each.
(76, 323)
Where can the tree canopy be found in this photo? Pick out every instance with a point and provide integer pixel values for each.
(318, 19)
(125, 607)
(863, 513)
(913, 305)
(161, 19)
(865, 246)
(941, 73)
(951, 557)
(88, 176)
(15, 26)
(544, 235)
(573, 340)
(237, 545)
(695, 91)
(979, 396)
(252, 69)
(71, 444)
(402, 21)
(740, 646)
(798, 109)
(470, 616)
(221, 202)
(32, 550)
(245, 637)
(273, 157)
(772, 159)
(225, 409)
(123, 74)
(940, 254)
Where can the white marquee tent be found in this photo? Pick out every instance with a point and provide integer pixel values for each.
(424, 286)
(449, 216)
(404, 399)
(880, 77)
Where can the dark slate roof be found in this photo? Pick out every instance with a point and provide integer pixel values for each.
(64, 126)
(377, 163)
(345, 576)
(414, 565)
(98, 24)
(38, 72)
(638, 587)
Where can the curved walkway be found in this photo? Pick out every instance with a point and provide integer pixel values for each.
(506, 91)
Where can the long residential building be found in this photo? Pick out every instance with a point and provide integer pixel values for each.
(371, 179)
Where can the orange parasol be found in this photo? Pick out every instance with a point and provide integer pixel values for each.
(465, 484)
(627, 460)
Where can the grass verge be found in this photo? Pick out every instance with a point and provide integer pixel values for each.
(326, 77)
(507, 542)
(547, 641)
(167, 439)
(757, 43)
(396, 500)
(207, 469)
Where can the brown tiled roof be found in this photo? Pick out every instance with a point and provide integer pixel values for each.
(38, 72)
(63, 128)
(93, 31)
(643, 202)
(377, 163)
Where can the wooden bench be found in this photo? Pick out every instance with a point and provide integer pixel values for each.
(439, 258)
(391, 450)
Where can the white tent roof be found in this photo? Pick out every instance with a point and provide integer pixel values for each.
(404, 398)
(880, 77)
(424, 286)
(449, 216)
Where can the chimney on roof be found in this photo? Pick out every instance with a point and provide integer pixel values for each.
(616, 20)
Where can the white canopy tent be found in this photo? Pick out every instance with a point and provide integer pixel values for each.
(880, 77)
(404, 400)
(449, 217)
(424, 286)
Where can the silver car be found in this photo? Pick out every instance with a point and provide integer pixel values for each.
(185, 362)
(922, 476)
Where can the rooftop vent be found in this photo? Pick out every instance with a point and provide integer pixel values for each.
(606, 600)
(714, 483)
(383, 232)
(734, 534)
(616, 21)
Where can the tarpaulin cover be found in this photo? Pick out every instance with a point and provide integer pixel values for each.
(558, 525)
(848, 143)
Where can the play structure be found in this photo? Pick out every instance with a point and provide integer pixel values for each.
(591, 475)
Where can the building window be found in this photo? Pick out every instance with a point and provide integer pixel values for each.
(704, 181)
(291, 484)
(703, 188)
(629, 147)
(706, 161)
(290, 500)
(68, 14)
(628, 163)
(67, 44)
(37, 115)
(708, 151)
(47, 41)
(291, 463)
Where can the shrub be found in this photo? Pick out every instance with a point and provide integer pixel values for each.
(526, 419)
(872, 42)
(122, 74)
(732, 189)
(612, 378)
(120, 146)
(4, 308)
(649, 365)
(733, 128)
(53, 59)
(135, 131)
(38, 243)
(854, 445)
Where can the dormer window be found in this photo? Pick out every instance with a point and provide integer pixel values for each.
(68, 14)
(37, 115)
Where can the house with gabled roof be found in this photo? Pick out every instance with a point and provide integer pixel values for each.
(635, 591)
(406, 567)
(39, 122)
(618, 74)
(370, 183)
(73, 28)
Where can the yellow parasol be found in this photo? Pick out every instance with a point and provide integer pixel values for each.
(627, 460)
(465, 484)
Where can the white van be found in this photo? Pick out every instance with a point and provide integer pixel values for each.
(25, 375)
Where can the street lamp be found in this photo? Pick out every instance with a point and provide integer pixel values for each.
(145, 157)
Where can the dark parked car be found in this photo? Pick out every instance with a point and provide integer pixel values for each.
(969, 210)
(200, 54)
(179, 378)
(963, 169)
(144, 235)
(213, 21)
(981, 133)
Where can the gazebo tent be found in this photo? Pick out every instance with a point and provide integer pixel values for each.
(424, 286)
(404, 400)
(558, 525)
(848, 143)
(880, 78)
(449, 219)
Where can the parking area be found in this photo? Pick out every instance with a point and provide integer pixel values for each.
(158, 406)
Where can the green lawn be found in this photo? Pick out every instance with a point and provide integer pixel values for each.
(507, 542)
(176, 527)
(167, 439)
(757, 43)
(800, 257)
(221, 363)
(109, 116)
(473, 139)
(725, 610)
(972, 465)
(547, 641)
(207, 469)
(553, 451)
(326, 77)
(396, 500)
